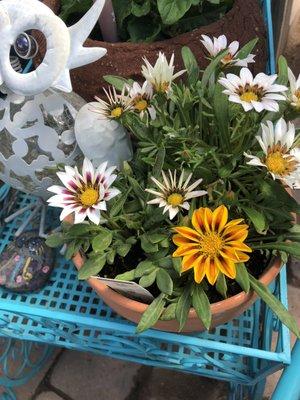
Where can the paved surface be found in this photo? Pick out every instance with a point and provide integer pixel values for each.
(71, 375)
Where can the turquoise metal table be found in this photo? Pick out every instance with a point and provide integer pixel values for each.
(67, 313)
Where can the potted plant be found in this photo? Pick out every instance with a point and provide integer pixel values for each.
(244, 20)
(200, 217)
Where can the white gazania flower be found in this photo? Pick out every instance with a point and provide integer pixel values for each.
(174, 195)
(161, 75)
(280, 158)
(294, 92)
(259, 93)
(141, 97)
(215, 45)
(116, 105)
(84, 194)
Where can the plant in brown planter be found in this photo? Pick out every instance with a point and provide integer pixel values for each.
(200, 218)
(244, 20)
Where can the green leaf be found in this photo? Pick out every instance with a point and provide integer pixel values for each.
(142, 9)
(177, 264)
(242, 277)
(147, 246)
(92, 267)
(246, 50)
(164, 281)
(275, 305)
(69, 7)
(148, 280)
(169, 312)
(291, 248)
(143, 29)
(118, 204)
(156, 237)
(137, 188)
(201, 305)
(144, 268)
(282, 71)
(126, 276)
(117, 81)
(190, 64)
(72, 248)
(152, 314)
(172, 10)
(102, 241)
(221, 114)
(221, 285)
(257, 218)
(210, 69)
(122, 10)
(55, 240)
(159, 162)
(110, 256)
(183, 307)
(123, 249)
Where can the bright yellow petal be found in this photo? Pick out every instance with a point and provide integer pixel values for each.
(229, 253)
(198, 219)
(211, 270)
(234, 222)
(226, 266)
(180, 240)
(188, 233)
(219, 218)
(188, 262)
(238, 245)
(242, 257)
(185, 250)
(208, 219)
(199, 270)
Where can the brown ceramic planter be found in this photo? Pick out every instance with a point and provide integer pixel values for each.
(243, 23)
(222, 311)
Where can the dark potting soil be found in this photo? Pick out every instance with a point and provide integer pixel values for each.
(256, 265)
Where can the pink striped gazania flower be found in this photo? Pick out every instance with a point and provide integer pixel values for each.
(84, 194)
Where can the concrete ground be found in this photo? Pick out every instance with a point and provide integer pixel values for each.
(71, 375)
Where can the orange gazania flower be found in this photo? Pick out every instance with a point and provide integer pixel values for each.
(213, 246)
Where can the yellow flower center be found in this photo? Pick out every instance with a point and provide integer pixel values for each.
(297, 94)
(276, 163)
(249, 96)
(116, 112)
(89, 197)
(211, 244)
(175, 199)
(141, 105)
(162, 87)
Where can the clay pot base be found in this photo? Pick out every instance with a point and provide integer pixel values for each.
(243, 23)
(222, 311)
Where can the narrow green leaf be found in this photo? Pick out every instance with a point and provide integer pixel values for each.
(119, 204)
(221, 285)
(183, 307)
(291, 248)
(137, 188)
(164, 281)
(201, 305)
(92, 267)
(282, 71)
(275, 305)
(212, 67)
(159, 162)
(116, 81)
(152, 314)
(177, 264)
(190, 64)
(257, 218)
(246, 50)
(148, 280)
(221, 114)
(242, 277)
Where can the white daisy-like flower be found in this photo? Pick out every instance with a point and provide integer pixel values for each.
(161, 75)
(280, 158)
(84, 194)
(141, 97)
(258, 93)
(294, 90)
(173, 194)
(215, 45)
(116, 105)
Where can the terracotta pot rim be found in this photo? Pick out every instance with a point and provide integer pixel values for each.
(221, 306)
(159, 43)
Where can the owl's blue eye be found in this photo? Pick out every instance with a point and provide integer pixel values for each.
(26, 46)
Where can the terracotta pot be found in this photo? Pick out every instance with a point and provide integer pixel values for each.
(222, 311)
(243, 23)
